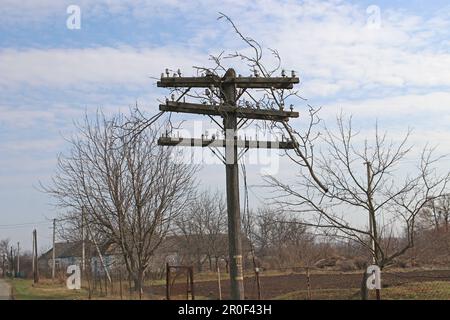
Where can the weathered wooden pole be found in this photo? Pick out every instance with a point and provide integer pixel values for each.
(230, 112)
(54, 249)
(35, 258)
(18, 259)
(232, 180)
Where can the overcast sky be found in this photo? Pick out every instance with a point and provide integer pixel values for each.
(393, 67)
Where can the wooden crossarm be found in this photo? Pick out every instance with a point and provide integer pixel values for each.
(220, 143)
(221, 110)
(241, 82)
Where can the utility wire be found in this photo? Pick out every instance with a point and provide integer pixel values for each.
(22, 225)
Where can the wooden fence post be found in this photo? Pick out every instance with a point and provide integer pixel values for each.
(120, 283)
(167, 281)
(218, 282)
(191, 276)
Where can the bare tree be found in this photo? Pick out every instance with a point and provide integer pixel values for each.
(278, 236)
(432, 239)
(4, 255)
(436, 213)
(364, 186)
(203, 227)
(130, 188)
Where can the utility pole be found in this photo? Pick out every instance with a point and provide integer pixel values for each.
(232, 178)
(54, 249)
(234, 117)
(33, 266)
(83, 248)
(11, 266)
(35, 258)
(18, 259)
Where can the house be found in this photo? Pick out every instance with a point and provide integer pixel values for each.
(202, 251)
(70, 253)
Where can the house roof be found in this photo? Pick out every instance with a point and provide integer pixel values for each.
(171, 244)
(74, 249)
(177, 243)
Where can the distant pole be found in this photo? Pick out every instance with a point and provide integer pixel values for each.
(32, 253)
(18, 259)
(11, 265)
(83, 248)
(54, 249)
(36, 267)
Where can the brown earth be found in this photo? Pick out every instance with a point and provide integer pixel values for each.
(273, 286)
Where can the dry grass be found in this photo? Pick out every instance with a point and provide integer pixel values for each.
(435, 290)
(24, 289)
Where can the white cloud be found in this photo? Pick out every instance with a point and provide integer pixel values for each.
(434, 105)
(327, 41)
(103, 66)
(426, 114)
(32, 145)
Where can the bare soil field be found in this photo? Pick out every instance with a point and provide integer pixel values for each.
(276, 286)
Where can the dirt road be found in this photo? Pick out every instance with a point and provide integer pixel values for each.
(4, 290)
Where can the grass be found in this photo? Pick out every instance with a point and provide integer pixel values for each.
(435, 290)
(24, 289)
(46, 289)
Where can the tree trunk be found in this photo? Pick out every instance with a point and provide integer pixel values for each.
(199, 263)
(138, 279)
(446, 224)
(364, 290)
